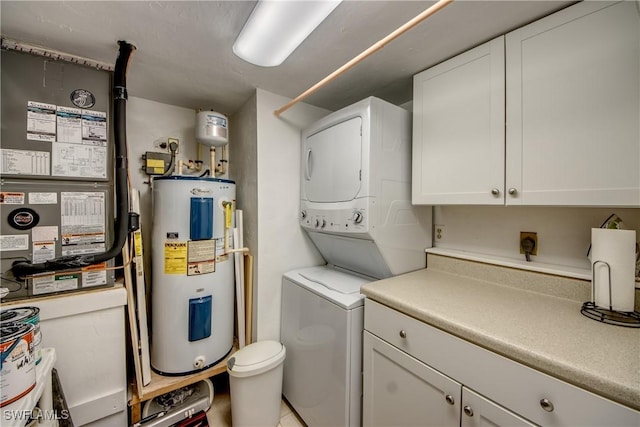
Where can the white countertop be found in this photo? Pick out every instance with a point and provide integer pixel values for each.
(521, 321)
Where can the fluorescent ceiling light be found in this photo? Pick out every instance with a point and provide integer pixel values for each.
(276, 28)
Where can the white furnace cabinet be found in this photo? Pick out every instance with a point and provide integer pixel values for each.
(87, 331)
(570, 132)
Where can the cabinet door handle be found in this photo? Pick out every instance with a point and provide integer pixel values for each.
(513, 191)
(468, 411)
(403, 333)
(546, 405)
(450, 400)
(495, 191)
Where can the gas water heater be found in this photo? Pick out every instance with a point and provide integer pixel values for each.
(193, 276)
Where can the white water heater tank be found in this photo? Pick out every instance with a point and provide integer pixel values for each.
(193, 276)
(212, 129)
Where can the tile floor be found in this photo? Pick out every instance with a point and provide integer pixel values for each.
(219, 415)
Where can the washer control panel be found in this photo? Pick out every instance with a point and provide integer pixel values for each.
(354, 219)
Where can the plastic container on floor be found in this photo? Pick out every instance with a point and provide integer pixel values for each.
(255, 382)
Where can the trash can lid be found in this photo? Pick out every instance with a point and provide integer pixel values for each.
(256, 358)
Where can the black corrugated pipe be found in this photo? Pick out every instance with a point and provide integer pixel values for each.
(21, 269)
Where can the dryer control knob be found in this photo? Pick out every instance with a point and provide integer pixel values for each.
(303, 214)
(324, 223)
(358, 217)
(316, 222)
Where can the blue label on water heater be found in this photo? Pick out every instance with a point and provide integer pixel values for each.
(200, 318)
(201, 222)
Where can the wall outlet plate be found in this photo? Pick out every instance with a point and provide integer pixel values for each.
(177, 141)
(534, 236)
(439, 232)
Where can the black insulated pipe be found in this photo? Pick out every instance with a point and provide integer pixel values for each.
(21, 269)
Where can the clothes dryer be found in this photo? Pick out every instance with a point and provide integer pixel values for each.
(355, 205)
(322, 323)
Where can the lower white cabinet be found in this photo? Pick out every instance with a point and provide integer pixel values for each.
(402, 391)
(478, 411)
(415, 374)
(399, 390)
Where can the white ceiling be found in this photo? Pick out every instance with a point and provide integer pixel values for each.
(184, 55)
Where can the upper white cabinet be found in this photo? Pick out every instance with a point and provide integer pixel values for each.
(458, 129)
(572, 116)
(573, 107)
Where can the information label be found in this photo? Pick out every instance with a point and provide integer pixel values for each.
(69, 124)
(11, 198)
(82, 222)
(175, 258)
(23, 162)
(14, 242)
(41, 121)
(77, 160)
(202, 257)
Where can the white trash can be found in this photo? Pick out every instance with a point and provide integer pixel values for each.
(255, 382)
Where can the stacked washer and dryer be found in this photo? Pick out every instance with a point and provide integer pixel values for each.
(356, 208)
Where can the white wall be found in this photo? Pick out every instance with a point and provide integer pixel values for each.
(243, 167)
(264, 160)
(282, 244)
(564, 234)
(149, 122)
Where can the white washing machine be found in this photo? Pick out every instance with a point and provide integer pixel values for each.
(322, 322)
(355, 205)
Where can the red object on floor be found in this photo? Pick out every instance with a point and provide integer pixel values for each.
(199, 419)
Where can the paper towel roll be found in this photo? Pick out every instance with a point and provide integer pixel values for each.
(617, 249)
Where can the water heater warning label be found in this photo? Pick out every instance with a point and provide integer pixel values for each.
(175, 258)
(202, 256)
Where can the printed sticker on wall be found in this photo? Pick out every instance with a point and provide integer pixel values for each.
(44, 233)
(94, 128)
(175, 258)
(14, 242)
(43, 251)
(41, 121)
(11, 198)
(37, 198)
(78, 160)
(82, 220)
(69, 124)
(24, 162)
(49, 284)
(94, 275)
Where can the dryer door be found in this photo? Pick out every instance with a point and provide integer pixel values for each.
(331, 163)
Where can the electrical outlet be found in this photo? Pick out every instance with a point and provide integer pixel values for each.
(177, 141)
(162, 144)
(439, 232)
(531, 235)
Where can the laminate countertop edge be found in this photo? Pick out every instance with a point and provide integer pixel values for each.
(544, 332)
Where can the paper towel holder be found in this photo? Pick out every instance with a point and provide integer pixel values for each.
(630, 319)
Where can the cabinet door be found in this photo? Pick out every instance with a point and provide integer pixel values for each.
(399, 390)
(573, 107)
(478, 411)
(458, 129)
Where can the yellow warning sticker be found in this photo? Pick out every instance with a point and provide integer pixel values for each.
(227, 214)
(155, 163)
(175, 258)
(137, 242)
